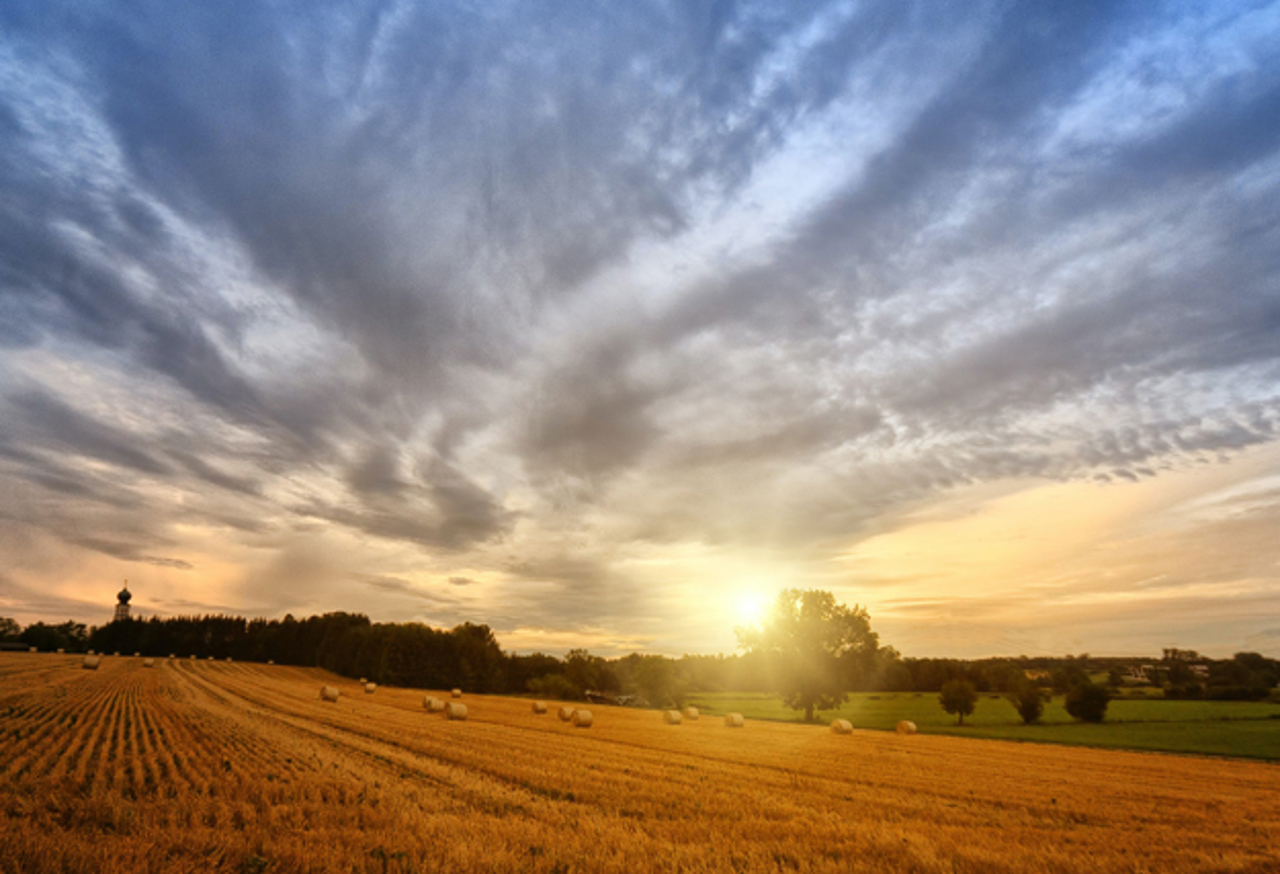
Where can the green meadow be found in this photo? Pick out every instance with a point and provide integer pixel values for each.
(1249, 729)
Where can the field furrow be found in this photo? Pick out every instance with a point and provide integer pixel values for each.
(229, 766)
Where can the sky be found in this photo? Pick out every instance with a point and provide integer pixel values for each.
(600, 323)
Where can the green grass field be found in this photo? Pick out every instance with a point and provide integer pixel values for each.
(1223, 728)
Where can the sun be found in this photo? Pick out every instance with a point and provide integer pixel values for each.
(750, 607)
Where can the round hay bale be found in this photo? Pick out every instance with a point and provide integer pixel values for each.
(191, 657)
(228, 658)
(691, 714)
(581, 719)
(117, 652)
(136, 654)
(329, 693)
(539, 706)
(148, 663)
(905, 726)
(671, 717)
(454, 710)
(841, 726)
(734, 720)
(32, 649)
(456, 693)
(271, 661)
(91, 652)
(91, 662)
(370, 688)
(436, 705)
(61, 650)
(172, 655)
(363, 680)
(565, 714)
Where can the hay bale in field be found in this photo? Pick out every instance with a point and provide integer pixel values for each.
(61, 650)
(91, 652)
(565, 714)
(192, 657)
(91, 662)
(454, 710)
(671, 717)
(905, 726)
(228, 658)
(32, 649)
(691, 714)
(433, 704)
(363, 680)
(370, 688)
(329, 693)
(581, 719)
(539, 706)
(172, 656)
(148, 663)
(456, 693)
(271, 661)
(841, 726)
(734, 720)
(136, 654)
(117, 652)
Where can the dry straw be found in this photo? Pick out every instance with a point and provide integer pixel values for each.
(582, 719)
(733, 720)
(329, 693)
(691, 714)
(370, 688)
(91, 662)
(454, 710)
(842, 726)
(566, 713)
(539, 706)
(906, 726)
(671, 717)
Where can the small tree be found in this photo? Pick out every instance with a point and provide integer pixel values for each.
(958, 697)
(1088, 702)
(1025, 697)
(805, 639)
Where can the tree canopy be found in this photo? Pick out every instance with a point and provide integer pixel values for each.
(813, 648)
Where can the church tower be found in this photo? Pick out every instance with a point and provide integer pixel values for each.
(122, 602)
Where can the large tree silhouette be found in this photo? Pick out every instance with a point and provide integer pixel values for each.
(812, 646)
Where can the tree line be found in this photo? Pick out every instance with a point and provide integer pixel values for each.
(809, 649)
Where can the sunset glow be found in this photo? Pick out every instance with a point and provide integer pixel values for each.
(602, 326)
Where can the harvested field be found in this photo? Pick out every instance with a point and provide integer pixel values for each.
(215, 766)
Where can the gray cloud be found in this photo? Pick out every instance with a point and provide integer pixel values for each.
(521, 288)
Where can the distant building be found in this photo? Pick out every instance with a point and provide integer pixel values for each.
(122, 602)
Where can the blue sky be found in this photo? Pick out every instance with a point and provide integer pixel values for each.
(600, 322)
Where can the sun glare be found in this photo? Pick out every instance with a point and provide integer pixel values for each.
(750, 607)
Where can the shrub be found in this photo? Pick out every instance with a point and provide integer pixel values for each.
(1026, 699)
(1088, 702)
(556, 686)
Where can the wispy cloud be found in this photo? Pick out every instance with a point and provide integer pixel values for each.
(532, 295)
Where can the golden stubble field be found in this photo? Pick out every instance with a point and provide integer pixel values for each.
(214, 766)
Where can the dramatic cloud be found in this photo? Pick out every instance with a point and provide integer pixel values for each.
(584, 320)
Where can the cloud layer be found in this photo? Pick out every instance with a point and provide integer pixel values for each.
(572, 317)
